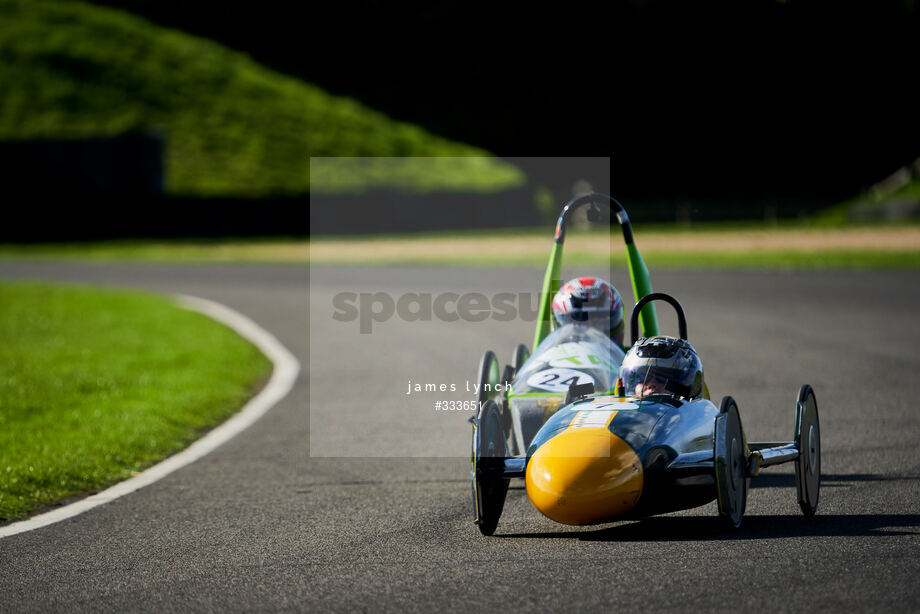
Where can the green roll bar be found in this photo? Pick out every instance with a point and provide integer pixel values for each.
(638, 272)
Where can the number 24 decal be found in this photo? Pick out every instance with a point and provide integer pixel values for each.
(558, 379)
(552, 377)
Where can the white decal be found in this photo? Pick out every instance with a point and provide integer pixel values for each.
(600, 404)
(591, 419)
(558, 379)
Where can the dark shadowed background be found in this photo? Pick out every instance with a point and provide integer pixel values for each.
(783, 107)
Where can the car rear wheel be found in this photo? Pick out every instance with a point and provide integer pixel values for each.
(521, 354)
(489, 377)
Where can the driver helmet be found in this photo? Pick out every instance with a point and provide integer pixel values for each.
(591, 300)
(662, 365)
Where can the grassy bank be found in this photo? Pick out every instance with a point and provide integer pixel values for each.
(97, 384)
(711, 246)
(230, 126)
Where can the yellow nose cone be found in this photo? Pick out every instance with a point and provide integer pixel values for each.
(584, 475)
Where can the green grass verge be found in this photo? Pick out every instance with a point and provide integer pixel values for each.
(875, 246)
(774, 259)
(231, 126)
(97, 384)
(853, 259)
(730, 245)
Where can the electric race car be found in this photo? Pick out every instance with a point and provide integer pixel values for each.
(600, 435)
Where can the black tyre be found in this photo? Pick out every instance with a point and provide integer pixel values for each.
(489, 377)
(730, 463)
(508, 426)
(808, 441)
(521, 354)
(488, 456)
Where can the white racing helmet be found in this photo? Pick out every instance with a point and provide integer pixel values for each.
(591, 300)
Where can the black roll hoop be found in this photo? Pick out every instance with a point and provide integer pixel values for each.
(594, 213)
(657, 296)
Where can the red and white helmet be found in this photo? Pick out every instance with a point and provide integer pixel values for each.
(591, 300)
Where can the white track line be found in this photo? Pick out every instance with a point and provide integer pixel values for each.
(282, 380)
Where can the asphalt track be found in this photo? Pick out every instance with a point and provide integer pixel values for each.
(370, 509)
